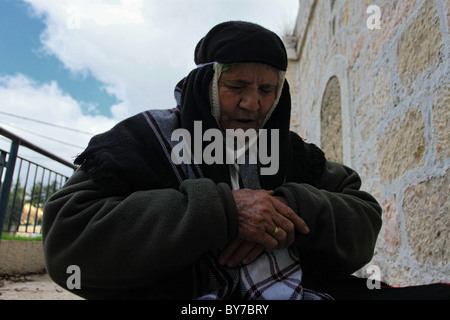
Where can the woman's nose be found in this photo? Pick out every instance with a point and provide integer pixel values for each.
(250, 101)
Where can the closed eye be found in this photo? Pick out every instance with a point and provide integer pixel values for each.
(236, 85)
(240, 85)
(267, 89)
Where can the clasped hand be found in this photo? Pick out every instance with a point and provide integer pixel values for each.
(266, 222)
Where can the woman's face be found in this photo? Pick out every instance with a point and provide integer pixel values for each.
(247, 92)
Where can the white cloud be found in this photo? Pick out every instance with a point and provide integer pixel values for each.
(46, 102)
(141, 49)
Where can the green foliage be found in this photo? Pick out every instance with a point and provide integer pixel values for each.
(6, 236)
(19, 197)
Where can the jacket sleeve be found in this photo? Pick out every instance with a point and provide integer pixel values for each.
(131, 241)
(344, 222)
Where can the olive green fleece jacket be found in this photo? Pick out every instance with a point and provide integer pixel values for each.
(146, 244)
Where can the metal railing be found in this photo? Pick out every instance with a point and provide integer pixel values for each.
(25, 186)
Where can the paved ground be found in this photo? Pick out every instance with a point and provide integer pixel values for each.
(32, 287)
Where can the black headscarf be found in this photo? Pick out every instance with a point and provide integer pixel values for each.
(239, 41)
(127, 157)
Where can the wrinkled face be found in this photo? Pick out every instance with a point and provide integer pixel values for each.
(247, 92)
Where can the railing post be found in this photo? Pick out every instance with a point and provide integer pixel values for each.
(6, 185)
(2, 164)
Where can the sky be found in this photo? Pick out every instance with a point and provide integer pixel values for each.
(73, 69)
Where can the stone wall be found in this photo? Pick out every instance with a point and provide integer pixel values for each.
(394, 117)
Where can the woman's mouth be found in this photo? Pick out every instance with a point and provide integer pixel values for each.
(246, 124)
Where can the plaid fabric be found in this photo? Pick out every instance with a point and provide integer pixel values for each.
(273, 276)
(313, 295)
(276, 276)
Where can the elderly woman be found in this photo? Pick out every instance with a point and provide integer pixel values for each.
(139, 225)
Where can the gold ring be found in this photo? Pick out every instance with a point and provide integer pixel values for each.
(275, 231)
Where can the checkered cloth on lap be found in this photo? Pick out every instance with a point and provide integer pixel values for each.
(273, 276)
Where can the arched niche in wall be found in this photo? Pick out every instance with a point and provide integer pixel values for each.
(335, 74)
(331, 121)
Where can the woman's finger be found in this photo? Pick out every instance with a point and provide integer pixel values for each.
(289, 214)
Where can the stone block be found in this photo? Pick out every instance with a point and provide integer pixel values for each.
(391, 231)
(402, 146)
(441, 123)
(356, 50)
(426, 210)
(381, 95)
(419, 46)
